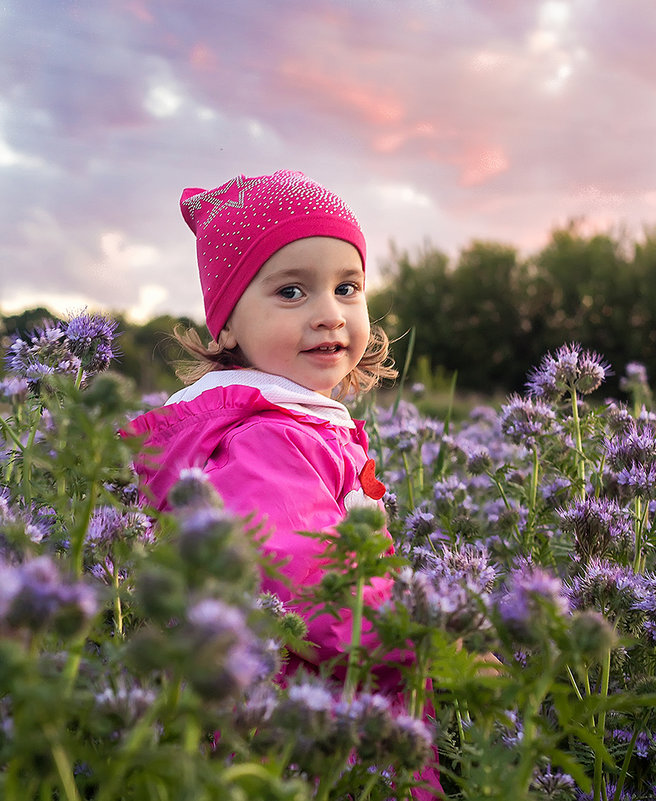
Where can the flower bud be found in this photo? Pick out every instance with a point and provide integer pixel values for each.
(591, 635)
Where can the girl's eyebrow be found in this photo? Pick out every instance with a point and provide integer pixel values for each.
(298, 273)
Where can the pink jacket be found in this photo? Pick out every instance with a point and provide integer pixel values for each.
(297, 471)
(294, 458)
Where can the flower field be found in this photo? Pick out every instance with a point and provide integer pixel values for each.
(138, 657)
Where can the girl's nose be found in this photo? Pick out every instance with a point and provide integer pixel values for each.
(328, 314)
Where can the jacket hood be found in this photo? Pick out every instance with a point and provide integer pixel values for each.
(185, 434)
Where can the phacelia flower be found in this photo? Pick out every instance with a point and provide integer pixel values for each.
(524, 420)
(193, 489)
(91, 338)
(109, 525)
(40, 353)
(632, 457)
(636, 383)
(610, 788)
(530, 596)
(552, 784)
(604, 585)
(450, 593)
(34, 596)
(600, 527)
(571, 368)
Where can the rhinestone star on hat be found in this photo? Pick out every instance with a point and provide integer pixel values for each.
(230, 194)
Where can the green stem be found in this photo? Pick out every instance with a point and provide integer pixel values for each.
(366, 790)
(408, 478)
(642, 518)
(418, 693)
(580, 464)
(573, 683)
(63, 765)
(532, 501)
(77, 535)
(351, 680)
(8, 430)
(78, 377)
(121, 761)
(328, 779)
(506, 503)
(530, 713)
(27, 466)
(625, 764)
(601, 725)
(118, 609)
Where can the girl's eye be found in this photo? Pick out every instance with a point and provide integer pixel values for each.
(346, 289)
(290, 293)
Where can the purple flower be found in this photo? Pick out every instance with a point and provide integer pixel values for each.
(553, 784)
(635, 381)
(449, 492)
(570, 369)
(256, 709)
(636, 445)
(479, 461)
(193, 490)
(223, 655)
(409, 742)
(41, 352)
(619, 418)
(108, 525)
(419, 525)
(450, 593)
(611, 787)
(153, 400)
(13, 388)
(530, 596)
(632, 456)
(606, 586)
(643, 743)
(34, 596)
(556, 491)
(639, 480)
(126, 701)
(524, 420)
(90, 337)
(600, 526)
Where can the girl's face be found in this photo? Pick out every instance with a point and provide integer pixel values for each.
(304, 315)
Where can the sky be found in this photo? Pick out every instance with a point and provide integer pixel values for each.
(440, 122)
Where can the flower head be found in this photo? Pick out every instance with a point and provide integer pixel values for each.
(34, 596)
(41, 352)
(524, 420)
(528, 600)
(600, 526)
(91, 338)
(570, 369)
(632, 456)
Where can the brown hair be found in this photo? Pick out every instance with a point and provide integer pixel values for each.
(375, 365)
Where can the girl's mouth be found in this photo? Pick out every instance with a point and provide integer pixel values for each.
(326, 348)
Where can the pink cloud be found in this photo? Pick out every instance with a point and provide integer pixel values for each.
(341, 92)
(202, 57)
(481, 165)
(139, 10)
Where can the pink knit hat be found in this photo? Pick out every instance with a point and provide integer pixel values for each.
(239, 225)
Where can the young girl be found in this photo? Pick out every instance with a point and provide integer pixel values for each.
(282, 269)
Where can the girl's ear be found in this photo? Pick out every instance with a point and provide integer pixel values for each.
(226, 338)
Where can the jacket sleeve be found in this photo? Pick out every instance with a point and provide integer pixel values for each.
(292, 482)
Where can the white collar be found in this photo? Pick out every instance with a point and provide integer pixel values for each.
(275, 389)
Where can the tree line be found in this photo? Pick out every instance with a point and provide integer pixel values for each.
(492, 315)
(489, 316)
